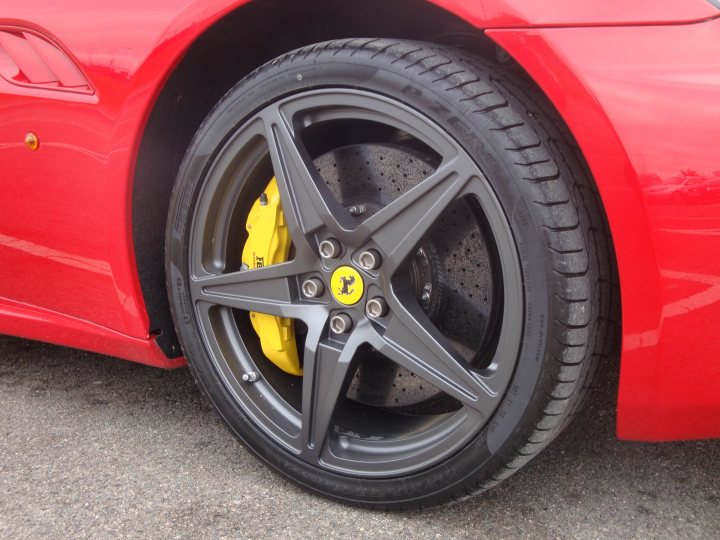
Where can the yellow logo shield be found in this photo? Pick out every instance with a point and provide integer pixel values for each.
(347, 285)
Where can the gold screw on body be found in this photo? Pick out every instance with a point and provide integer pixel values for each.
(32, 141)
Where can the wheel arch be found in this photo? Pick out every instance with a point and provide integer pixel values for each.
(219, 56)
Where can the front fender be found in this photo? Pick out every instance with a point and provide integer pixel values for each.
(644, 105)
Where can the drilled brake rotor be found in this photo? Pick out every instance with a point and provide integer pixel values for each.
(450, 273)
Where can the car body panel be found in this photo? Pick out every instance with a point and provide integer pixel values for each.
(524, 13)
(65, 209)
(653, 152)
(33, 322)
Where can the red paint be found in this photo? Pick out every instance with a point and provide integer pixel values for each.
(646, 113)
(33, 322)
(523, 13)
(642, 102)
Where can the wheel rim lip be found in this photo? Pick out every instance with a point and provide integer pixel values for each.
(344, 455)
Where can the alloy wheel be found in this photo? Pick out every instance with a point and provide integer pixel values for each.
(318, 417)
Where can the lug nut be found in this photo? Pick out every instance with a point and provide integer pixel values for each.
(341, 323)
(330, 248)
(376, 308)
(250, 376)
(369, 260)
(312, 288)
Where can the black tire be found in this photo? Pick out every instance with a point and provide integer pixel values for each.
(556, 222)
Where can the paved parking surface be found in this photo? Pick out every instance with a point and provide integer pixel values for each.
(95, 447)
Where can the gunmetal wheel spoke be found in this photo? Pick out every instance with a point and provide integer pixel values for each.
(417, 346)
(326, 373)
(308, 203)
(270, 290)
(401, 225)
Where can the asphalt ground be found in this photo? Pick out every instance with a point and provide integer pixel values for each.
(94, 447)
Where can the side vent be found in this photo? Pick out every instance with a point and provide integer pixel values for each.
(30, 60)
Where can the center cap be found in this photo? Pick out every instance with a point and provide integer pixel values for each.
(347, 285)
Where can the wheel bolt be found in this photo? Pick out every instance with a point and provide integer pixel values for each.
(376, 308)
(341, 323)
(250, 376)
(312, 288)
(369, 260)
(330, 249)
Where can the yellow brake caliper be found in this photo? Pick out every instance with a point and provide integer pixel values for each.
(269, 243)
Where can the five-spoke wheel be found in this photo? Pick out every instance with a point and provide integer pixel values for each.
(386, 318)
(419, 294)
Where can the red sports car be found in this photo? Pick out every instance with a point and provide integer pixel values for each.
(394, 240)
